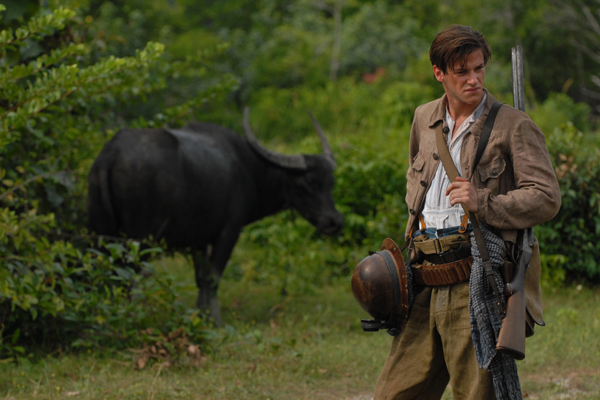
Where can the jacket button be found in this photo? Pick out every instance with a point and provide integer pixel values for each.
(436, 156)
(445, 129)
(412, 211)
(494, 172)
(423, 183)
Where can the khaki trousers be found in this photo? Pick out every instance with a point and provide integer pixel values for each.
(434, 349)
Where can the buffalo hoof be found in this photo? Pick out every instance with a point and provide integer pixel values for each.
(210, 310)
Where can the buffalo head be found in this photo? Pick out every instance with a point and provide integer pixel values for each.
(309, 181)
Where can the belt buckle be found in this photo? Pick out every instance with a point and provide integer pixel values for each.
(438, 246)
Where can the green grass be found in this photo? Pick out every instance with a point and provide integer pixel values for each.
(304, 346)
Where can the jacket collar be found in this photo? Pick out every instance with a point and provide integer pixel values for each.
(439, 113)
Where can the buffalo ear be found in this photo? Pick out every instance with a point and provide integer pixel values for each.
(282, 160)
(327, 152)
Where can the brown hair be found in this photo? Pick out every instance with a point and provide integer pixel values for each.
(454, 44)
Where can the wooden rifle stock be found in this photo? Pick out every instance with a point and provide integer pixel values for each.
(511, 339)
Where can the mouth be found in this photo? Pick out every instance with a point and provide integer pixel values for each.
(332, 231)
(331, 227)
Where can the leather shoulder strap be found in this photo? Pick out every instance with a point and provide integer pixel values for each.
(486, 132)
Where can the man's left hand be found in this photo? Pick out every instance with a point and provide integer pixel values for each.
(462, 191)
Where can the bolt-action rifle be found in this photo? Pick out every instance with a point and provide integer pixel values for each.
(511, 339)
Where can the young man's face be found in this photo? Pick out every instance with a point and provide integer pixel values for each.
(464, 84)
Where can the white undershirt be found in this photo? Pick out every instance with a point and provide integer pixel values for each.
(437, 212)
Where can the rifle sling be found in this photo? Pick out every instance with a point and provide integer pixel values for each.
(452, 173)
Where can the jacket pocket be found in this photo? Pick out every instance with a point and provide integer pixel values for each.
(492, 170)
(490, 173)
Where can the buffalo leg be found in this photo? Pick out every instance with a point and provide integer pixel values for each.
(209, 273)
(207, 281)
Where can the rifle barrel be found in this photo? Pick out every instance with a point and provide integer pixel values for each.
(518, 79)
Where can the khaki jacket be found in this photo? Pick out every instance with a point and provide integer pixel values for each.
(515, 181)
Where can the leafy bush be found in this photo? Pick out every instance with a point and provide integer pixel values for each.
(568, 242)
(57, 284)
(54, 292)
(570, 239)
(557, 110)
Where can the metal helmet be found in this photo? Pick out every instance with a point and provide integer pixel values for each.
(382, 285)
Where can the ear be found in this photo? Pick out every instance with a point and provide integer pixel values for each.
(438, 73)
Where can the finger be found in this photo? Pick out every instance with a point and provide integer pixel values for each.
(461, 179)
(454, 186)
(459, 196)
(455, 198)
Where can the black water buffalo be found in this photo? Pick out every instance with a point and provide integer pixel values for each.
(198, 186)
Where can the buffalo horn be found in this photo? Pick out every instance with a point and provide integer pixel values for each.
(283, 160)
(327, 152)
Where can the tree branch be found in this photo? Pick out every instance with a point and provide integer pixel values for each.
(28, 181)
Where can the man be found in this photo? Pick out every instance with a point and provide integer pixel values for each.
(513, 187)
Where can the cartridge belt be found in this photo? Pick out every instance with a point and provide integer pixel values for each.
(442, 274)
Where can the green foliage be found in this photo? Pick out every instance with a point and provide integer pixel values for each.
(54, 292)
(379, 34)
(35, 29)
(58, 101)
(569, 240)
(381, 109)
(557, 109)
(288, 43)
(68, 84)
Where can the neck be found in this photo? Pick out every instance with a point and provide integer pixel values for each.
(460, 110)
(270, 191)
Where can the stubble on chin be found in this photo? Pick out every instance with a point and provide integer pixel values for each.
(474, 97)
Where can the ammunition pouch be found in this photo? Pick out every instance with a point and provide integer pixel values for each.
(443, 274)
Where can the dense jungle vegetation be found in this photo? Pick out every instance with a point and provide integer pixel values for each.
(73, 72)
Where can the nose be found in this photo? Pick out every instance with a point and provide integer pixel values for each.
(332, 225)
(472, 78)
